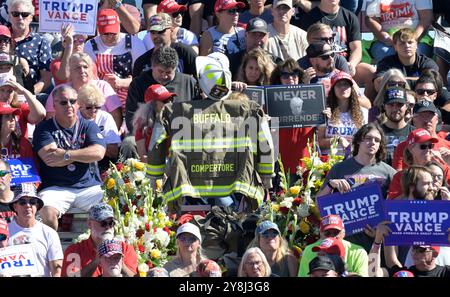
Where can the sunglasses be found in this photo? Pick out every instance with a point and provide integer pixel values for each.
(187, 238)
(31, 201)
(425, 146)
(158, 32)
(107, 223)
(269, 234)
(327, 39)
(65, 102)
(400, 84)
(177, 14)
(23, 14)
(425, 91)
(420, 250)
(5, 40)
(287, 75)
(232, 11)
(4, 173)
(326, 57)
(93, 107)
(3, 237)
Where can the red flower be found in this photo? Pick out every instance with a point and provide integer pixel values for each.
(126, 180)
(147, 227)
(154, 229)
(119, 166)
(141, 248)
(141, 212)
(297, 201)
(284, 210)
(139, 233)
(167, 230)
(324, 158)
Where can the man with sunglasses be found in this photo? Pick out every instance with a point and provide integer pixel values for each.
(396, 128)
(285, 40)
(161, 33)
(68, 147)
(25, 228)
(332, 229)
(6, 195)
(82, 258)
(30, 45)
(426, 116)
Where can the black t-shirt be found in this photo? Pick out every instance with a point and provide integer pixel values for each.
(344, 24)
(186, 60)
(5, 212)
(415, 70)
(393, 139)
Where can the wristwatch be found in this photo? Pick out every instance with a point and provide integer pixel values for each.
(66, 156)
(117, 5)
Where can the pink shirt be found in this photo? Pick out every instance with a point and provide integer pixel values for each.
(112, 100)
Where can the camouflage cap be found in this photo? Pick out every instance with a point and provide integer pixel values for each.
(101, 212)
(160, 22)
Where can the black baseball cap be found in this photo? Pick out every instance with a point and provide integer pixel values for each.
(257, 25)
(395, 95)
(425, 105)
(316, 49)
(321, 263)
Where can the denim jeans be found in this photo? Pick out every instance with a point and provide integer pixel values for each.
(379, 50)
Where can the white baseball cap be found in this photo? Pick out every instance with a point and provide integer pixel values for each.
(4, 78)
(214, 76)
(190, 228)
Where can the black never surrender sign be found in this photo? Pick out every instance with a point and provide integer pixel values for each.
(296, 105)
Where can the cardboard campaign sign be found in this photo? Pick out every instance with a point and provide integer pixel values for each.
(296, 105)
(23, 170)
(361, 206)
(256, 94)
(18, 260)
(418, 222)
(82, 14)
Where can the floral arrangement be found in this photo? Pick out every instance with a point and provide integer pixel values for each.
(294, 208)
(140, 213)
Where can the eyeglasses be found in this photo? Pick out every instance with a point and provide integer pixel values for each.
(107, 223)
(400, 84)
(287, 75)
(93, 107)
(326, 57)
(425, 146)
(3, 237)
(65, 102)
(331, 232)
(437, 176)
(158, 32)
(177, 14)
(232, 11)
(425, 91)
(420, 250)
(252, 264)
(31, 201)
(4, 173)
(187, 238)
(17, 13)
(5, 40)
(270, 234)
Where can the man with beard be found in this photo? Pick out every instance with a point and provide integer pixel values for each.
(82, 259)
(26, 229)
(68, 147)
(395, 128)
(417, 183)
(6, 195)
(111, 258)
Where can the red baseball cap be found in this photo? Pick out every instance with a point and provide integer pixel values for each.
(108, 21)
(331, 222)
(4, 227)
(5, 108)
(339, 76)
(227, 4)
(157, 93)
(5, 31)
(331, 246)
(170, 6)
(420, 136)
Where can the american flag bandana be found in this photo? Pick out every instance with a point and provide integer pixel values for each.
(110, 247)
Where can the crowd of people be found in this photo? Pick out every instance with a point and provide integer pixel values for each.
(168, 87)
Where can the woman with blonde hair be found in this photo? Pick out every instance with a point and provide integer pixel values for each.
(90, 101)
(189, 252)
(391, 78)
(254, 264)
(256, 68)
(275, 248)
